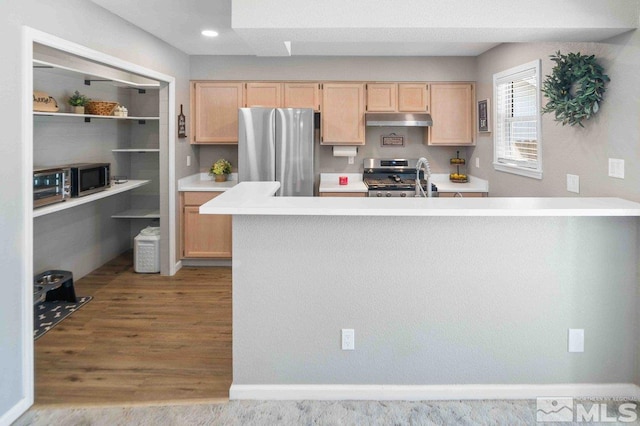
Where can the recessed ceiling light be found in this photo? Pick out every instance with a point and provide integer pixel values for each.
(209, 33)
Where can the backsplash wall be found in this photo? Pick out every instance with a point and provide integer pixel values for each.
(414, 147)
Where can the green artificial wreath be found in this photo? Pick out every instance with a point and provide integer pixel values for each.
(574, 88)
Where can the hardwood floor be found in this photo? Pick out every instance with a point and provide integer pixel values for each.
(143, 339)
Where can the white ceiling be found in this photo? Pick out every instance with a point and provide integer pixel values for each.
(372, 27)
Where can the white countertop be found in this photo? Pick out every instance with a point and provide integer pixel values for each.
(204, 182)
(441, 180)
(330, 182)
(256, 198)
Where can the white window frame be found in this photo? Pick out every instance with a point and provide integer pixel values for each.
(513, 167)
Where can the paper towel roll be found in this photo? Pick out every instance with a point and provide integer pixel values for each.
(345, 151)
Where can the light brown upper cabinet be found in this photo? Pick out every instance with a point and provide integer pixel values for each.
(397, 97)
(302, 95)
(413, 97)
(452, 112)
(382, 97)
(268, 95)
(214, 112)
(343, 106)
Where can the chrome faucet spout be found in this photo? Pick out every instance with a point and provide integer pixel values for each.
(423, 162)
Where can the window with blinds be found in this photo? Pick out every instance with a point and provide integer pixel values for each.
(517, 147)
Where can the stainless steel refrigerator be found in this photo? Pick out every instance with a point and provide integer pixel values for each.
(277, 144)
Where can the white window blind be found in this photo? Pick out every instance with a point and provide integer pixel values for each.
(517, 147)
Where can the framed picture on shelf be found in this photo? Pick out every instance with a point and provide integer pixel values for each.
(484, 119)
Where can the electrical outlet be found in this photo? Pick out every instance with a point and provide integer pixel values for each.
(351, 160)
(188, 160)
(348, 339)
(478, 162)
(573, 183)
(576, 340)
(616, 168)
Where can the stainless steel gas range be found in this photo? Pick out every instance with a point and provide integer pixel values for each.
(393, 177)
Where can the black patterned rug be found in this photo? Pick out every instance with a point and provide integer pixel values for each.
(47, 315)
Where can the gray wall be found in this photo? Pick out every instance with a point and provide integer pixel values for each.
(430, 307)
(613, 133)
(85, 23)
(339, 69)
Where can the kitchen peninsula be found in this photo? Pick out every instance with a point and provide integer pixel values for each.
(449, 298)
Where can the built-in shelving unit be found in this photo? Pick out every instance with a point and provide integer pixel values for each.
(130, 144)
(74, 202)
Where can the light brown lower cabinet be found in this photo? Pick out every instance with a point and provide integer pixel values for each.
(203, 235)
(463, 194)
(343, 194)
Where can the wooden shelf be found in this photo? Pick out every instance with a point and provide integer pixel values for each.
(137, 214)
(74, 202)
(90, 116)
(135, 150)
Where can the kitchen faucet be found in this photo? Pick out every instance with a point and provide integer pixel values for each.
(419, 190)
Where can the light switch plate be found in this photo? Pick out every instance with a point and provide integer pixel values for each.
(616, 168)
(478, 162)
(573, 183)
(576, 340)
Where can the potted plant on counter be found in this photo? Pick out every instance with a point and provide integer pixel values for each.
(78, 102)
(220, 169)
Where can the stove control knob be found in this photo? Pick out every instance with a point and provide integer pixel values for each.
(404, 194)
(388, 194)
(378, 194)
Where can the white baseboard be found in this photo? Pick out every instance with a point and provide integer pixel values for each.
(15, 412)
(431, 392)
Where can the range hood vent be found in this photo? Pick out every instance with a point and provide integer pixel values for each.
(398, 119)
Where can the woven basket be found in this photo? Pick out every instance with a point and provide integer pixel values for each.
(100, 107)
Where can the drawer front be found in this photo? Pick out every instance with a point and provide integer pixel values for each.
(199, 198)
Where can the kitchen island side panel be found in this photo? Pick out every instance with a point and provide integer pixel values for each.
(434, 300)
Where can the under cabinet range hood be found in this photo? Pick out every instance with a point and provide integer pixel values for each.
(398, 119)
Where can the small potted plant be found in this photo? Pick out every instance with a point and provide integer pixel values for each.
(220, 169)
(78, 102)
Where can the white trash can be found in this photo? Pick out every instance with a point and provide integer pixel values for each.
(146, 251)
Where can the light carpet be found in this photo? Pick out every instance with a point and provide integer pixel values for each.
(498, 412)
